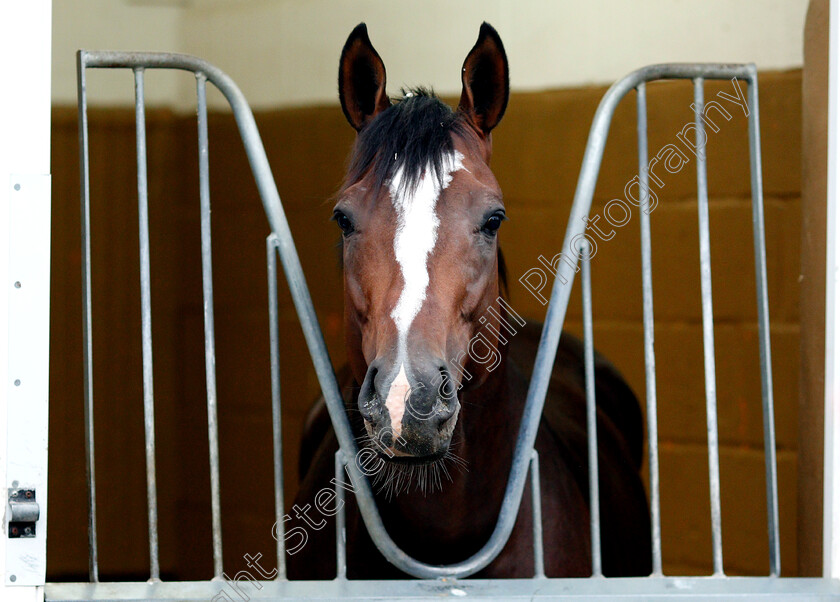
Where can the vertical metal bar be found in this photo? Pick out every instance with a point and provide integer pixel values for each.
(591, 412)
(645, 208)
(209, 329)
(276, 417)
(708, 328)
(340, 531)
(763, 328)
(87, 328)
(536, 516)
(146, 322)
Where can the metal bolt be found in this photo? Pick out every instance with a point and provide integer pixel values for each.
(17, 382)
(12, 578)
(17, 284)
(17, 187)
(28, 530)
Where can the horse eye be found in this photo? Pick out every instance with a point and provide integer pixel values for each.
(492, 224)
(343, 222)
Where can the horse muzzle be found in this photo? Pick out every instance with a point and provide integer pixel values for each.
(409, 413)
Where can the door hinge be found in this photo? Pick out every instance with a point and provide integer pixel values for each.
(23, 512)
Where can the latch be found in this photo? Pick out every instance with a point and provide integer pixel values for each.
(23, 513)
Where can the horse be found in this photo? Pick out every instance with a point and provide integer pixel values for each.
(438, 359)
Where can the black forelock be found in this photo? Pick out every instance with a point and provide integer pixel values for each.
(414, 133)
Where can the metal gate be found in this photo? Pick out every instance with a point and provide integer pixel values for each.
(442, 581)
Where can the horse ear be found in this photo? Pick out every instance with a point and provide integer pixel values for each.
(485, 81)
(361, 79)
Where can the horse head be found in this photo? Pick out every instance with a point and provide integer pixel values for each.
(419, 212)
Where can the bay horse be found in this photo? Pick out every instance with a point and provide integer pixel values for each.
(419, 214)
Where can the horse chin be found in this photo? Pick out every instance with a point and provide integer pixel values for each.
(410, 460)
(408, 457)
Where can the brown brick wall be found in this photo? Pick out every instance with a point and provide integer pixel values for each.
(539, 147)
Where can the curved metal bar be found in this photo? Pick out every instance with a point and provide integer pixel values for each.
(274, 212)
(314, 338)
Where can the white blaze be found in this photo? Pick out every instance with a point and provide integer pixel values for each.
(416, 235)
(395, 404)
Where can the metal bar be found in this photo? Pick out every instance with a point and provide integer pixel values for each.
(209, 329)
(87, 324)
(276, 416)
(591, 413)
(763, 328)
(645, 208)
(340, 530)
(561, 288)
(146, 323)
(314, 337)
(536, 517)
(116, 59)
(624, 589)
(708, 328)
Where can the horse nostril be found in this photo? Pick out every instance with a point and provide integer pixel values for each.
(447, 389)
(444, 421)
(368, 399)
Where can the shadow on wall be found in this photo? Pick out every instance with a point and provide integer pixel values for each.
(539, 147)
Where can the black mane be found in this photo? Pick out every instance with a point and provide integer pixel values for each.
(415, 132)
